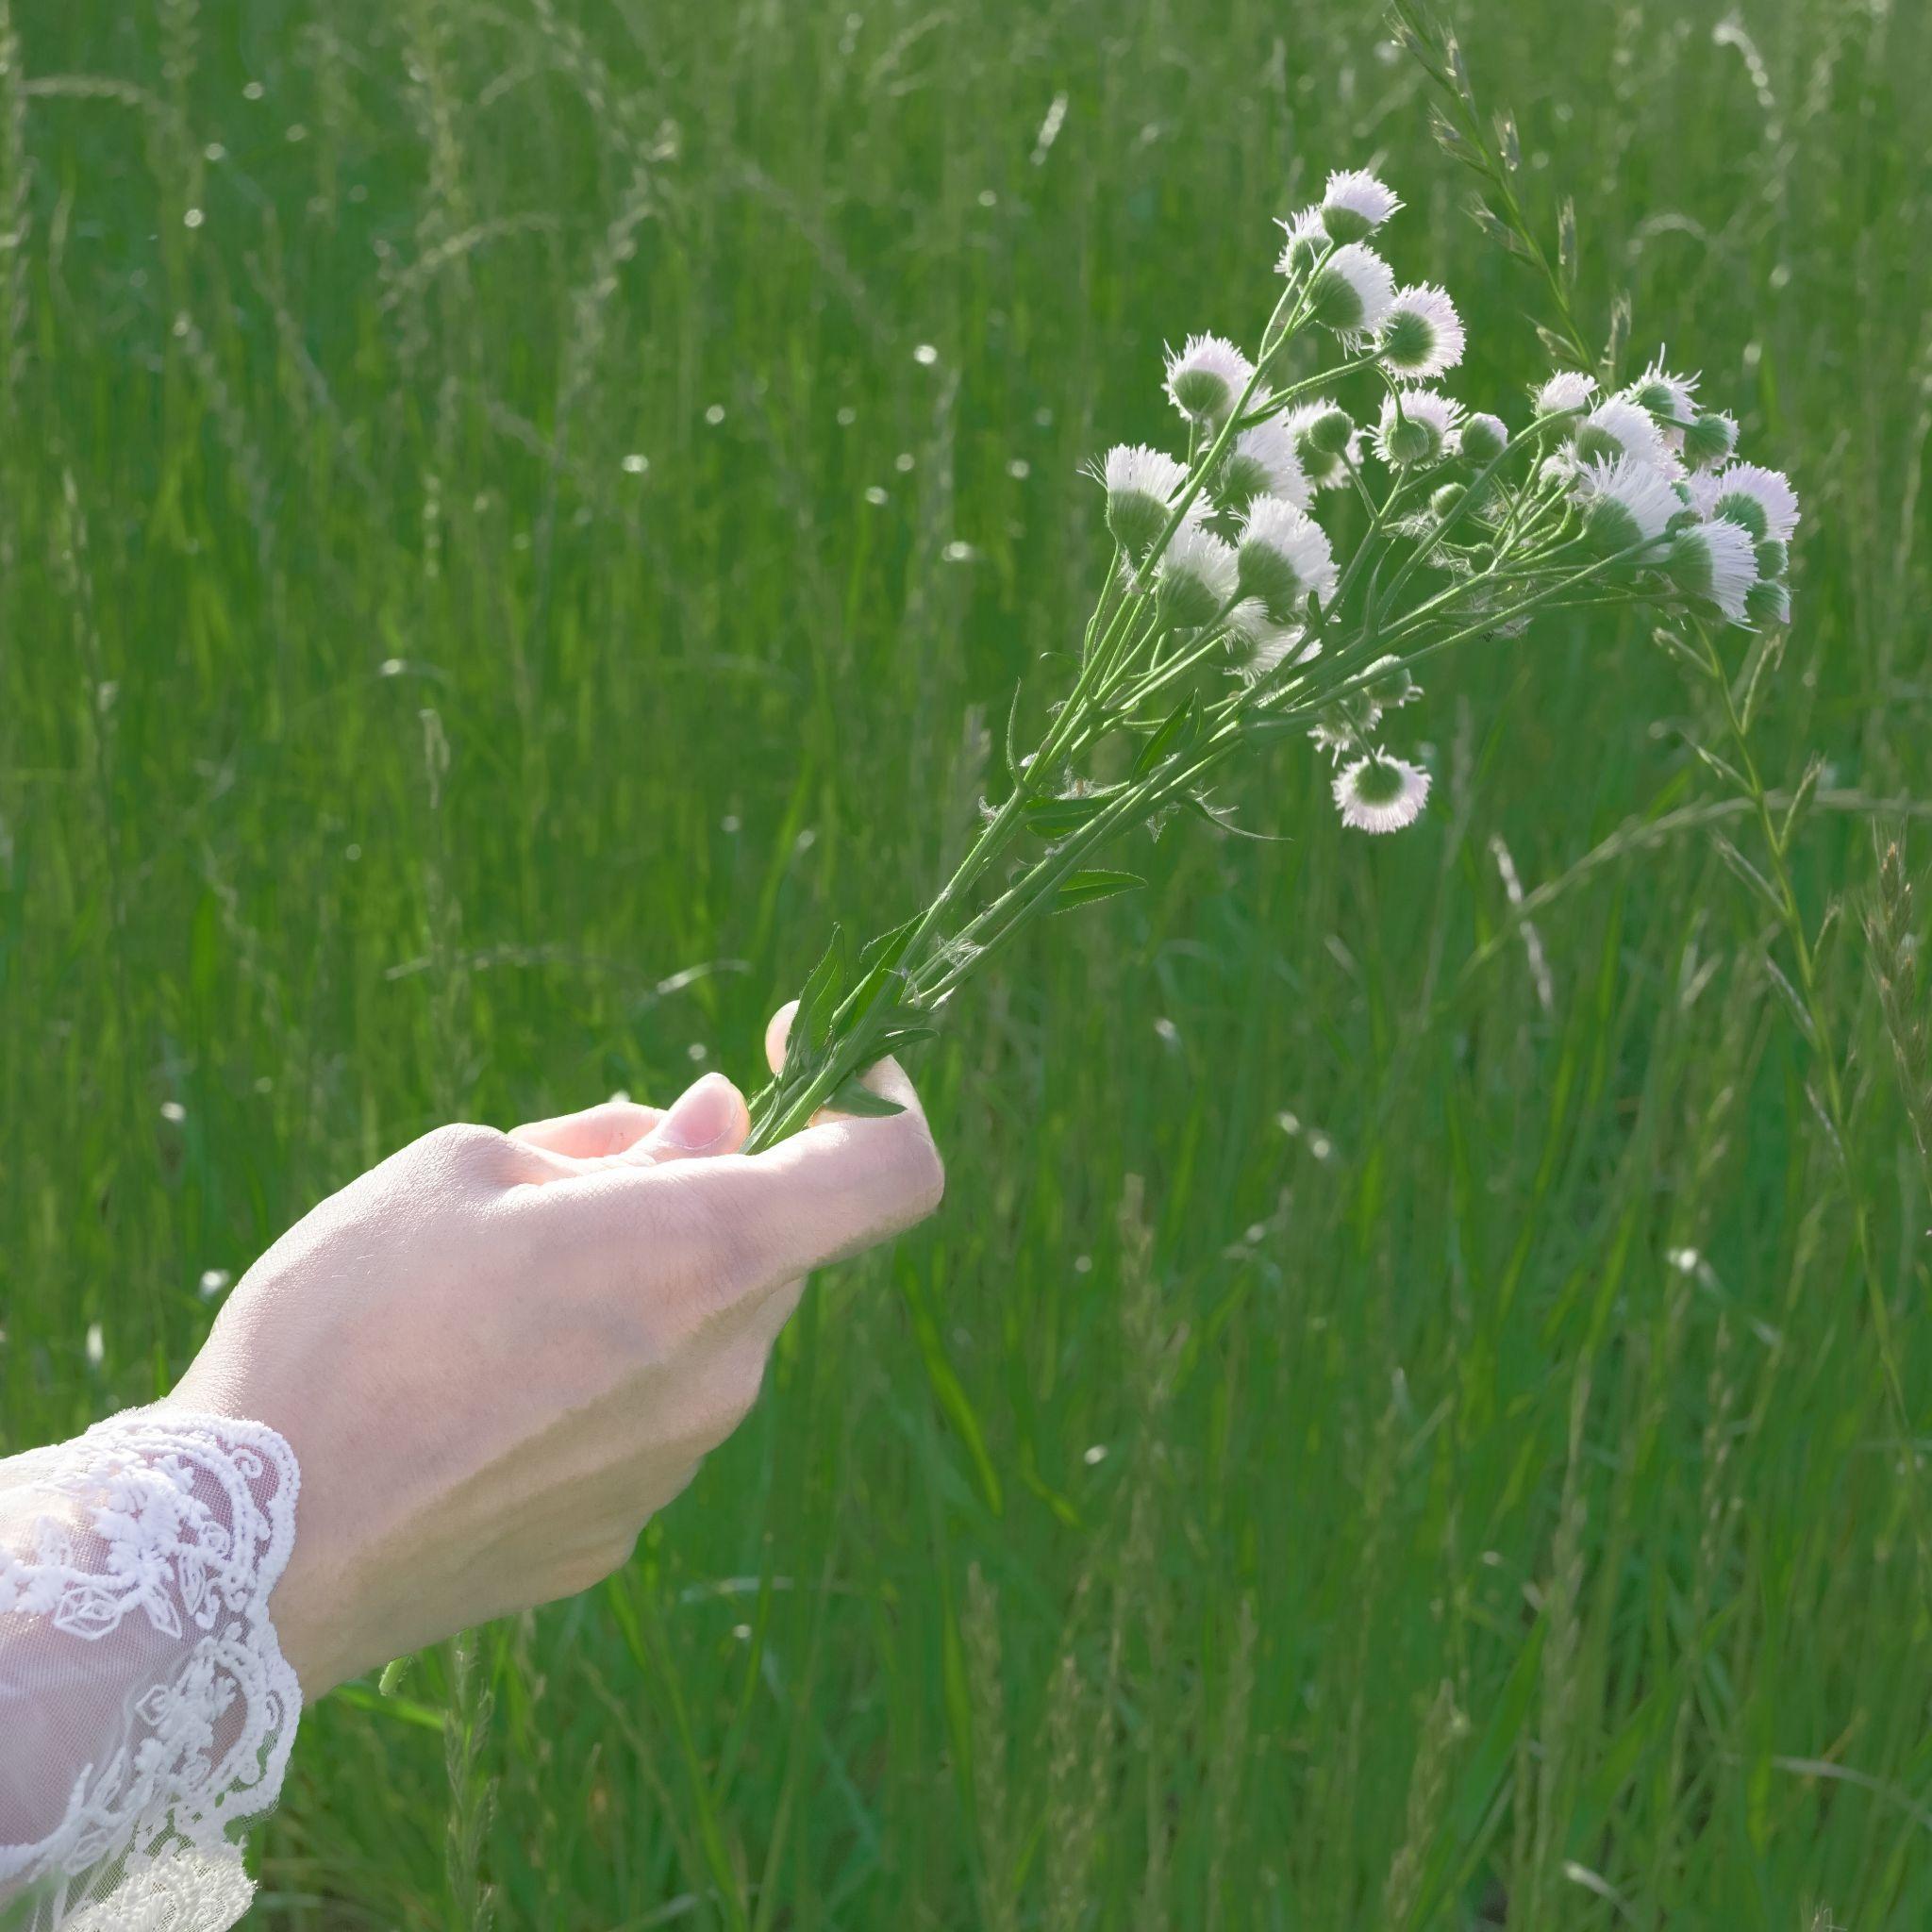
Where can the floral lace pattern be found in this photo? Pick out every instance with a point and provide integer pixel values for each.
(146, 1673)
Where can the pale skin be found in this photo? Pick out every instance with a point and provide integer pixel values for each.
(495, 1356)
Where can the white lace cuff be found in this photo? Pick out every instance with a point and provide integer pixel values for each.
(145, 1708)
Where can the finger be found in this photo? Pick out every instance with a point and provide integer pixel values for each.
(836, 1186)
(594, 1134)
(731, 1230)
(708, 1118)
(778, 1031)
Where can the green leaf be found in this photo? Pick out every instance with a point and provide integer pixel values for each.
(1054, 818)
(1013, 770)
(1748, 873)
(1087, 887)
(854, 1097)
(810, 1025)
(887, 948)
(1173, 731)
(896, 1040)
(1801, 802)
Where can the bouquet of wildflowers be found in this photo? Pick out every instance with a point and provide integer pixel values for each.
(1230, 618)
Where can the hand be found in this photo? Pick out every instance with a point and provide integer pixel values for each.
(497, 1355)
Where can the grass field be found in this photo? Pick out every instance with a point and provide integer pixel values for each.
(1410, 1415)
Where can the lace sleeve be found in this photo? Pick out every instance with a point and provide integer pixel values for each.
(145, 1708)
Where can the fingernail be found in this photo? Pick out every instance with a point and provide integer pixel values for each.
(702, 1115)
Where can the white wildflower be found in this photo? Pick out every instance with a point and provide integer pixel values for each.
(1284, 558)
(1672, 399)
(1381, 794)
(1625, 502)
(1565, 393)
(1418, 427)
(1355, 204)
(1142, 486)
(1267, 645)
(1305, 242)
(1618, 428)
(1484, 437)
(1421, 334)
(1327, 455)
(1204, 378)
(1352, 290)
(1197, 576)
(1768, 604)
(1761, 500)
(1716, 561)
(1343, 725)
(1263, 462)
(1709, 440)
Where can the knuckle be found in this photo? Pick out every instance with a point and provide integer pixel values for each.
(464, 1145)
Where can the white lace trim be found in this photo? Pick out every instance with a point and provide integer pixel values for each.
(183, 1522)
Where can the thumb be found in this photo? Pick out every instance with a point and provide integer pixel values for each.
(708, 1118)
(778, 1031)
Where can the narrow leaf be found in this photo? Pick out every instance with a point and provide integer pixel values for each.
(1724, 770)
(1172, 733)
(887, 948)
(897, 1038)
(1087, 887)
(1747, 873)
(1014, 770)
(1794, 1004)
(1054, 818)
(1769, 654)
(855, 1097)
(815, 1003)
(1801, 802)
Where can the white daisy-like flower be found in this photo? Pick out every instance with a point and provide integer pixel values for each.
(1352, 290)
(1268, 646)
(1709, 440)
(1141, 485)
(1618, 428)
(1768, 604)
(1355, 204)
(1343, 725)
(1761, 500)
(1326, 469)
(1381, 794)
(1421, 334)
(1305, 241)
(1390, 684)
(1263, 462)
(1625, 502)
(1419, 427)
(1197, 576)
(1672, 399)
(1284, 558)
(1565, 393)
(1718, 561)
(1204, 378)
(1484, 437)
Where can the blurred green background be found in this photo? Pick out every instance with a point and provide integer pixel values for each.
(514, 517)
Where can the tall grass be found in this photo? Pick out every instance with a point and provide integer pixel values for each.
(1411, 1414)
